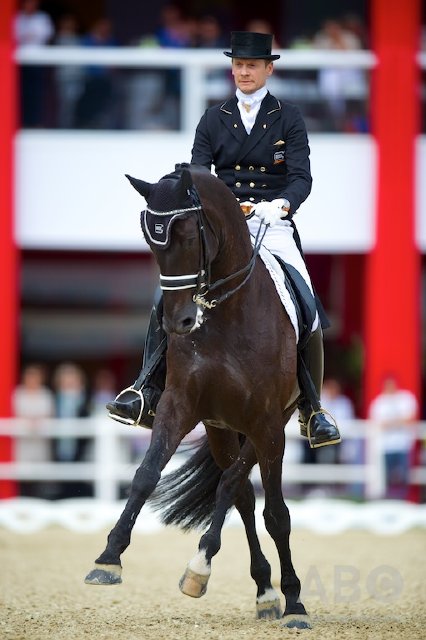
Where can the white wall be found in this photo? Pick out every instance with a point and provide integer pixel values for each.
(71, 191)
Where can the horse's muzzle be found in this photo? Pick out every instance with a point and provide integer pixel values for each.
(183, 321)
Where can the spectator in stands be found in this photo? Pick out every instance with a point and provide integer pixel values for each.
(173, 30)
(94, 109)
(32, 401)
(210, 34)
(394, 411)
(32, 27)
(337, 85)
(353, 24)
(258, 25)
(69, 78)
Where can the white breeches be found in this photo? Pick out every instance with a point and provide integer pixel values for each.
(280, 242)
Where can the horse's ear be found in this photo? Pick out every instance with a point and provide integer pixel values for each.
(185, 181)
(144, 188)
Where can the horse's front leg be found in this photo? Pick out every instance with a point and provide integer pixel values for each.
(164, 442)
(268, 606)
(277, 521)
(194, 581)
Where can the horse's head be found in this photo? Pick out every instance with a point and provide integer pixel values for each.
(174, 227)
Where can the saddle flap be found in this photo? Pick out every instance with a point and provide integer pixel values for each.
(303, 299)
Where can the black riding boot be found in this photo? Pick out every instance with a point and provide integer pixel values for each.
(137, 404)
(313, 419)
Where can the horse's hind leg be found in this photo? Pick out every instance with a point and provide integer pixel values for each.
(277, 521)
(234, 488)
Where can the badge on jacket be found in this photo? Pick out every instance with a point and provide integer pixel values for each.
(279, 156)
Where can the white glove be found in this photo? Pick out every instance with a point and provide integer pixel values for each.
(271, 212)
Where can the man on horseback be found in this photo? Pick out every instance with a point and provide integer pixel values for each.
(260, 150)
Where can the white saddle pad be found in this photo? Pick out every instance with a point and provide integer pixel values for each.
(277, 275)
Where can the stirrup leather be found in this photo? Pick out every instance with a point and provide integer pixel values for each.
(130, 421)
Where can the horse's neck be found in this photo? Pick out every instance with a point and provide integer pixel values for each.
(235, 251)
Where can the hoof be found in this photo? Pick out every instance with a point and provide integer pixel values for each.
(193, 584)
(296, 621)
(104, 574)
(270, 610)
(268, 606)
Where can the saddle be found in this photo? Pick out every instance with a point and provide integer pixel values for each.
(304, 302)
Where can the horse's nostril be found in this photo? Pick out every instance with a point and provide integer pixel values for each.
(187, 323)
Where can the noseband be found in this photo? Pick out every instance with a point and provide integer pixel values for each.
(200, 281)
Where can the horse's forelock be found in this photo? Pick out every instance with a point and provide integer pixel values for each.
(172, 192)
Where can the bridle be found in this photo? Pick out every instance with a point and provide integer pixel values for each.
(201, 281)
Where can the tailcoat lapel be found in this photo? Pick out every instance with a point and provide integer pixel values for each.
(230, 116)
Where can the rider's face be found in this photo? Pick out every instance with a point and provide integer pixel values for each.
(251, 74)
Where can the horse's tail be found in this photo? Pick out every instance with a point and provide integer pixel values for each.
(186, 497)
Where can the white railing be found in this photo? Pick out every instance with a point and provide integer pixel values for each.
(110, 465)
(197, 65)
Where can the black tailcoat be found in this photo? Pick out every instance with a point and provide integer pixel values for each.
(272, 162)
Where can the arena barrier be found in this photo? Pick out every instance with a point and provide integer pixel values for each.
(115, 452)
(322, 516)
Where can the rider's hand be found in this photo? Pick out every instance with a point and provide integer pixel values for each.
(271, 212)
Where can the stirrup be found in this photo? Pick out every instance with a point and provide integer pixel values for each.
(305, 428)
(122, 419)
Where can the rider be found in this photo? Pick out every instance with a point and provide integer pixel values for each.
(259, 148)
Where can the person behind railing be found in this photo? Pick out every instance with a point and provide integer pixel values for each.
(32, 401)
(32, 27)
(336, 85)
(341, 408)
(71, 401)
(95, 107)
(394, 411)
(103, 386)
(69, 78)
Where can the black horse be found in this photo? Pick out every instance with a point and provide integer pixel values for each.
(231, 364)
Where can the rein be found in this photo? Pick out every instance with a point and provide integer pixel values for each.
(201, 280)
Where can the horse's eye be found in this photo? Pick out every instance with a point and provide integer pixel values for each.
(188, 243)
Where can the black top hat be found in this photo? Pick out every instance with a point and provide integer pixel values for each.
(247, 44)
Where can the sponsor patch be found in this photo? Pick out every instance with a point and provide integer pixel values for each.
(279, 156)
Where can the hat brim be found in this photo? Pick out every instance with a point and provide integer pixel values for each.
(229, 54)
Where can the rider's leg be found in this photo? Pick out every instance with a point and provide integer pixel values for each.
(313, 419)
(137, 404)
